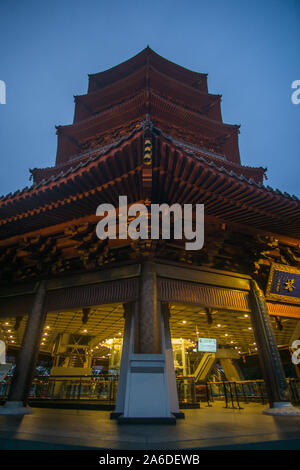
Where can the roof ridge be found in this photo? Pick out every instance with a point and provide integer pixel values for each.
(71, 169)
(230, 173)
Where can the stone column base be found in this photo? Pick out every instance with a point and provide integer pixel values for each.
(15, 408)
(147, 396)
(282, 408)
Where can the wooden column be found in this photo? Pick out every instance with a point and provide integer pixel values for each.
(149, 321)
(276, 385)
(22, 378)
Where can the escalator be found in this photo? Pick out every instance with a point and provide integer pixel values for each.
(231, 371)
(204, 367)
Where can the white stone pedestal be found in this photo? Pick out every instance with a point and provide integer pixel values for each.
(15, 408)
(282, 408)
(147, 396)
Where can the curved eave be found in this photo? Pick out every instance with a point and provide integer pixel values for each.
(147, 56)
(178, 176)
(61, 185)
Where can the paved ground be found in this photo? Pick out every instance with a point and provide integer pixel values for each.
(205, 428)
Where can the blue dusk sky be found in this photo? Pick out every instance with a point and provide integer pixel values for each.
(250, 50)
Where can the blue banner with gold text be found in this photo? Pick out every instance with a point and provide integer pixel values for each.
(283, 284)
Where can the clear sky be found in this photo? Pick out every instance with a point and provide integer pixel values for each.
(249, 48)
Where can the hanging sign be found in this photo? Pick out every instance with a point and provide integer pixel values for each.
(207, 345)
(283, 284)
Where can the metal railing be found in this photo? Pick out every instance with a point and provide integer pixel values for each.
(294, 386)
(75, 387)
(103, 388)
(235, 392)
(232, 393)
(186, 390)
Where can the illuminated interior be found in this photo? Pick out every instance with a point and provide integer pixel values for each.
(90, 342)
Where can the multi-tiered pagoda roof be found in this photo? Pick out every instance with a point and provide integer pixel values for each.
(149, 129)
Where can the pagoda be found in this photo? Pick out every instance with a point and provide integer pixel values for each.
(148, 129)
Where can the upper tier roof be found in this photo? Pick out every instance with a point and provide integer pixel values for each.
(149, 78)
(147, 57)
(147, 85)
(195, 155)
